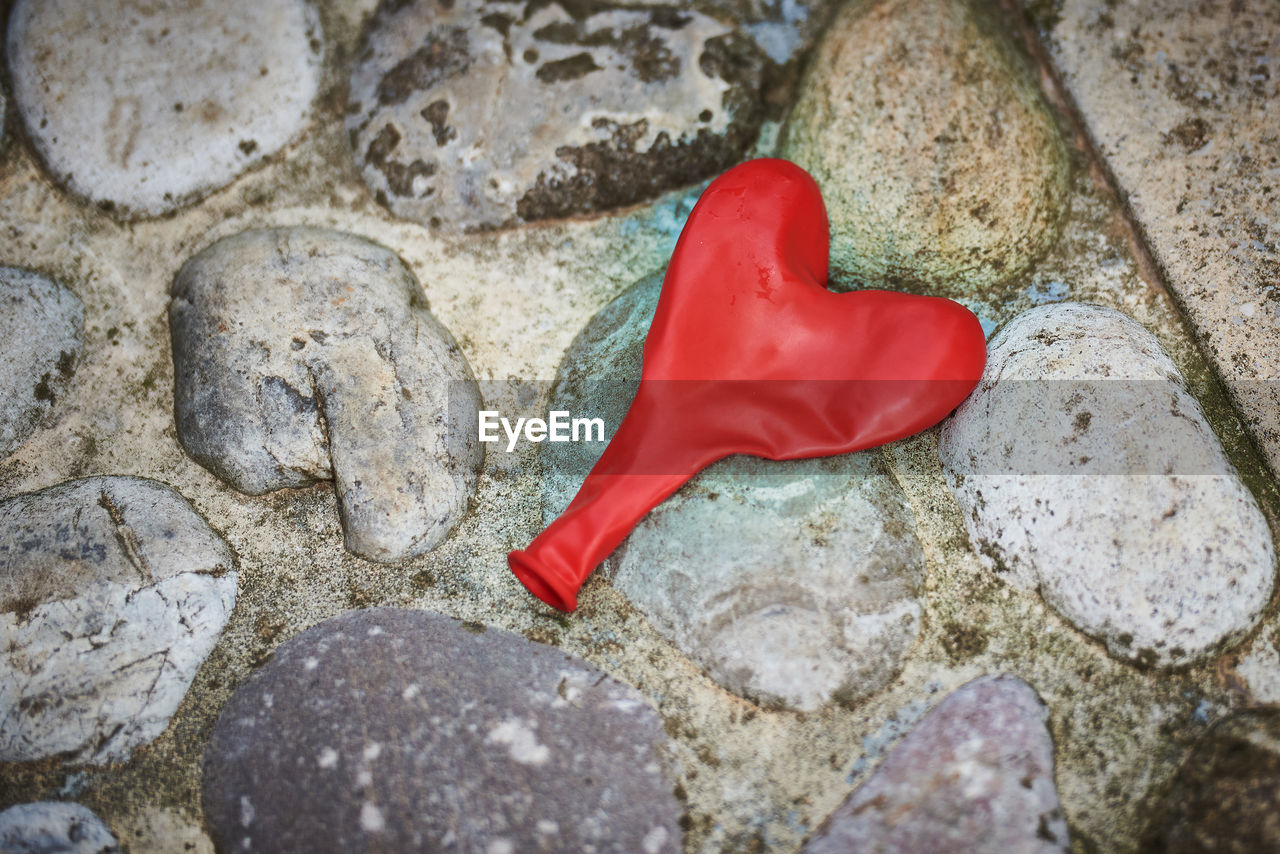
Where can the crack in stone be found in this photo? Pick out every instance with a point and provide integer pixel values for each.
(126, 537)
(386, 351)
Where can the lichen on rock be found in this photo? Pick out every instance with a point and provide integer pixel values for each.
(476, 115)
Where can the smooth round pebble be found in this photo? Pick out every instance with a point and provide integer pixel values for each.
(938, 158)
(304, 354)
(480, 114)
(54, 827)
(793, 584)
(1086, 470)
(113, 590)
(396, 730)
(976, 774)
(41, 324)
(143, 107)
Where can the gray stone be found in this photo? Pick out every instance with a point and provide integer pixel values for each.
(597, 378)
(142, 107)
(41, 323)
(396, 730)
(784, 31)
(793, 584)
(1183, 101)
(112, 593)
(976, 774)
(1223, 799)
(908, 111)
(473, 115)
(303, 355)
(51, 827)
(1087, 470)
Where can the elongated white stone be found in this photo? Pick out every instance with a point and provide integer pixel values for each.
(1087, 471)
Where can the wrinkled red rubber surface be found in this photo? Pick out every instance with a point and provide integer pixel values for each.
(750, 353)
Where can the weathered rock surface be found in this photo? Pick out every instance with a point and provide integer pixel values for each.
(143, 107)
(784, 31)
(1087, 470)
(52, 827)
(112, 592)
(396, 730)
(1183, 101)
(908, 110)
(793, 584)
(473, 115)
(1258, 667)
(41, 323)
(304, 354)
(976, 774)
(1224, 797)
(161, 830)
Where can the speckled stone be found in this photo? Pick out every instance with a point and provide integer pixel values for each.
(976, 774)
(158, 830)
(397, 730)
(473, 114)
(793, 584)
(41, 323)
(53, 827)
(1183, 101)
(142, 107)
(1087, 470)
(112, 592)
(302, 355)
(909, 112)
(1223, 800)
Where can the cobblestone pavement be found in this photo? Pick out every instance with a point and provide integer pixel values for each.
(260, 260)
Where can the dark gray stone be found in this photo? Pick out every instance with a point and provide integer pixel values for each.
(303, 354)
(975, 775)
(113, 591)
(1223, 800)
(40, 324)
(793, 584)
(51, 827)
(473, 114)
(397, 730)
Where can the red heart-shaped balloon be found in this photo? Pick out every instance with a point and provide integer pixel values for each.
(749, 353)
